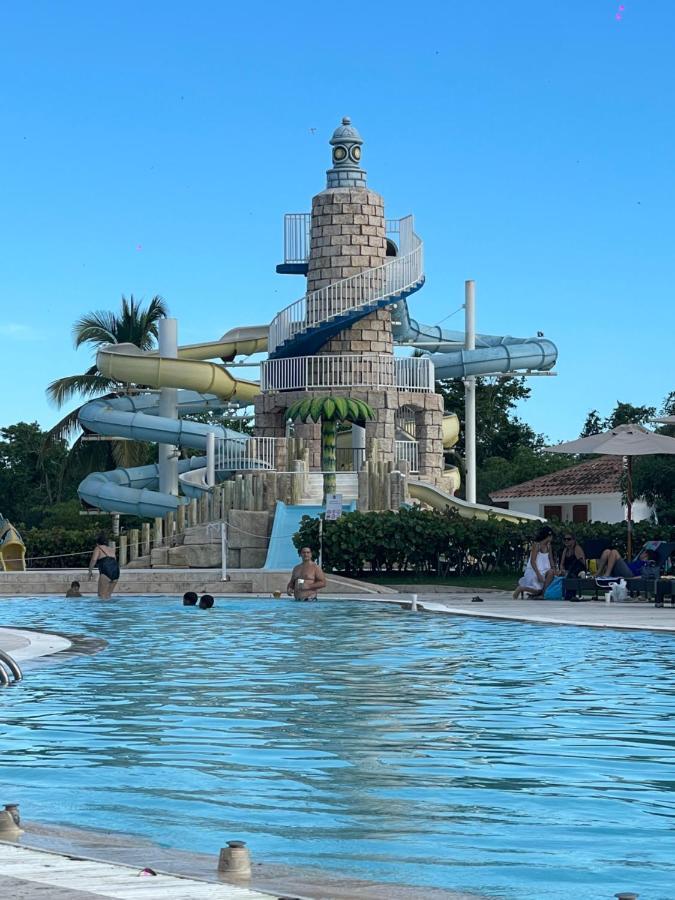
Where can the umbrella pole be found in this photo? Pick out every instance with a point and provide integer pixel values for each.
(629, 510)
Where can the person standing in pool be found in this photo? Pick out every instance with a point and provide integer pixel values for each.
(103, 558)
(306, 578)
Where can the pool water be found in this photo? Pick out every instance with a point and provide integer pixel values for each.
(509, 759)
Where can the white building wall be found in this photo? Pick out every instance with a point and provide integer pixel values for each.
(602, 507)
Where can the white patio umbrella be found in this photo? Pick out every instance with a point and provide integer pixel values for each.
(624, 440)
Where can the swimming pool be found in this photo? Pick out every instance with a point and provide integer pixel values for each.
(505, 758)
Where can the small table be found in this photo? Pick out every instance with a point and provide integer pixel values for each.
(659, 588)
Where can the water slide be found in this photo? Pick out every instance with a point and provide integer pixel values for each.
(204, 385)
(281, 552)
(12, 548)
(493, 354)
(440, 499)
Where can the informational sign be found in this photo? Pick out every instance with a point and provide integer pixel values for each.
(333, 507)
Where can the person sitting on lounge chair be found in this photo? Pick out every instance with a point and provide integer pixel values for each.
(612, 565)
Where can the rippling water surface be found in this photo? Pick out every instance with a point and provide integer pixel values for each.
(516, 760)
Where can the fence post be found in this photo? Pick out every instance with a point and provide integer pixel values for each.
(122, 555)
(133, 544)
(145, 539)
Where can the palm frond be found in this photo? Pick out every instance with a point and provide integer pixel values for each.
(90, 384)
(95, 328)
(65, 429)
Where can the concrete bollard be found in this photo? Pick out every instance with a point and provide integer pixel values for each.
(235, 859)
(413, 603)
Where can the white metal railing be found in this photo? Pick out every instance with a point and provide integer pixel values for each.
(355, 293)
(373, 370)
(233, 455)
(296, 235)
(409, 451)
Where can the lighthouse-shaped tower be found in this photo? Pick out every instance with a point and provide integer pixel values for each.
(337, 339)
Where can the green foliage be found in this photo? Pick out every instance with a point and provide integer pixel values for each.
(60, 548)
(415, 540)
(654, 481)
(622, 414)
(30, 480)
(499, 432)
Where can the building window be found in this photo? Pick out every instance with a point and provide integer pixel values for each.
(553, 512)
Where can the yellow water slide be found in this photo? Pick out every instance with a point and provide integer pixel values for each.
(12, 548)
(439, 499)
(191, 371)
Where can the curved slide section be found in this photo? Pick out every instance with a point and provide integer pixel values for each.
(493, 354)
(125, 362)
(208, 385)
(439, 499)
(12, 548)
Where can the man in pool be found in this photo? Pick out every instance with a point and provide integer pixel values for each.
(306, 578)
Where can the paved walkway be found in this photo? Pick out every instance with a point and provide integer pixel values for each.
(637, 614)
(27, 874)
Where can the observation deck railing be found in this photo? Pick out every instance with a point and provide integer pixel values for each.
(352, 294)
(375, 370)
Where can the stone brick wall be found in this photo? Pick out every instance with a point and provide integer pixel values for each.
(347, 236)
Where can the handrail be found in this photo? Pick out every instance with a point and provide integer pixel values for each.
(296, 235)
(12, 665)
(354, 293)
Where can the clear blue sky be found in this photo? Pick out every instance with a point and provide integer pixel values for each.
(153, 148)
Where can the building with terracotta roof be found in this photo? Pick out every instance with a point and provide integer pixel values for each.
(590, 491)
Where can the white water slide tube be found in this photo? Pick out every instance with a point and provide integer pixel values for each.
(493, 354)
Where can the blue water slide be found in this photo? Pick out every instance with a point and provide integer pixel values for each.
(134, 491)
(493, 354)
(281, 552)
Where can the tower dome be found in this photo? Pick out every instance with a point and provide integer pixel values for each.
(346, 172)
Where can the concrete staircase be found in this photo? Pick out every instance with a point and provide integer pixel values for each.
(347, 485)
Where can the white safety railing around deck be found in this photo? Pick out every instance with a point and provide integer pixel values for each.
(352, 294)
(374, 370)
(296, 235)
(252, 453)
(409, 451)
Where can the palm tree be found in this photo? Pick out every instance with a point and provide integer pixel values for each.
(133, 325)
(329, 411)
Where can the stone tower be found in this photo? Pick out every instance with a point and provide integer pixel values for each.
(339, 340)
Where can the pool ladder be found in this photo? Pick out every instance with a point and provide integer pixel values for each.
(8, 666)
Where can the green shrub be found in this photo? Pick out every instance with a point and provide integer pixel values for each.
(415, 540)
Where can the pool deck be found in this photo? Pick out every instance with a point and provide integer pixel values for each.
(631, 615)
(29, 874)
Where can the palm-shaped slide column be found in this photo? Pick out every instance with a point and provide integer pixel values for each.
(329, 411)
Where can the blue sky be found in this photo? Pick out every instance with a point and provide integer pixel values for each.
(153, 148)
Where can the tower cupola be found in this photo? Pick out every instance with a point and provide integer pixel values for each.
(346, 171)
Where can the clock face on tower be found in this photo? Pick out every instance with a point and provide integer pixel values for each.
(339, 153)
(355, 153)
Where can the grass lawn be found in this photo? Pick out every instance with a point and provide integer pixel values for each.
(499, 581)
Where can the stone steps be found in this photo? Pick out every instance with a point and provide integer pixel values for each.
(347, 485)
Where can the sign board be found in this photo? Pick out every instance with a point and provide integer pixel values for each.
(333, 507)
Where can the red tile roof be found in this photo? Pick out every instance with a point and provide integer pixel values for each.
(599, 476)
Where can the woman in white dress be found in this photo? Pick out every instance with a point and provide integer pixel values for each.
(540, 567)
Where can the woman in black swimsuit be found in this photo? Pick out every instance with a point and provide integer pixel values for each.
(103, 558)
(573, 559)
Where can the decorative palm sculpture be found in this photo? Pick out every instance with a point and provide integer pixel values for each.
(329, 411)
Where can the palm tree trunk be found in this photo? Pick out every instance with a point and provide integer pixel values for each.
(328, 430)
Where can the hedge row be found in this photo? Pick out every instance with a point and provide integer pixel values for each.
(415, 540)
(59, 548)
